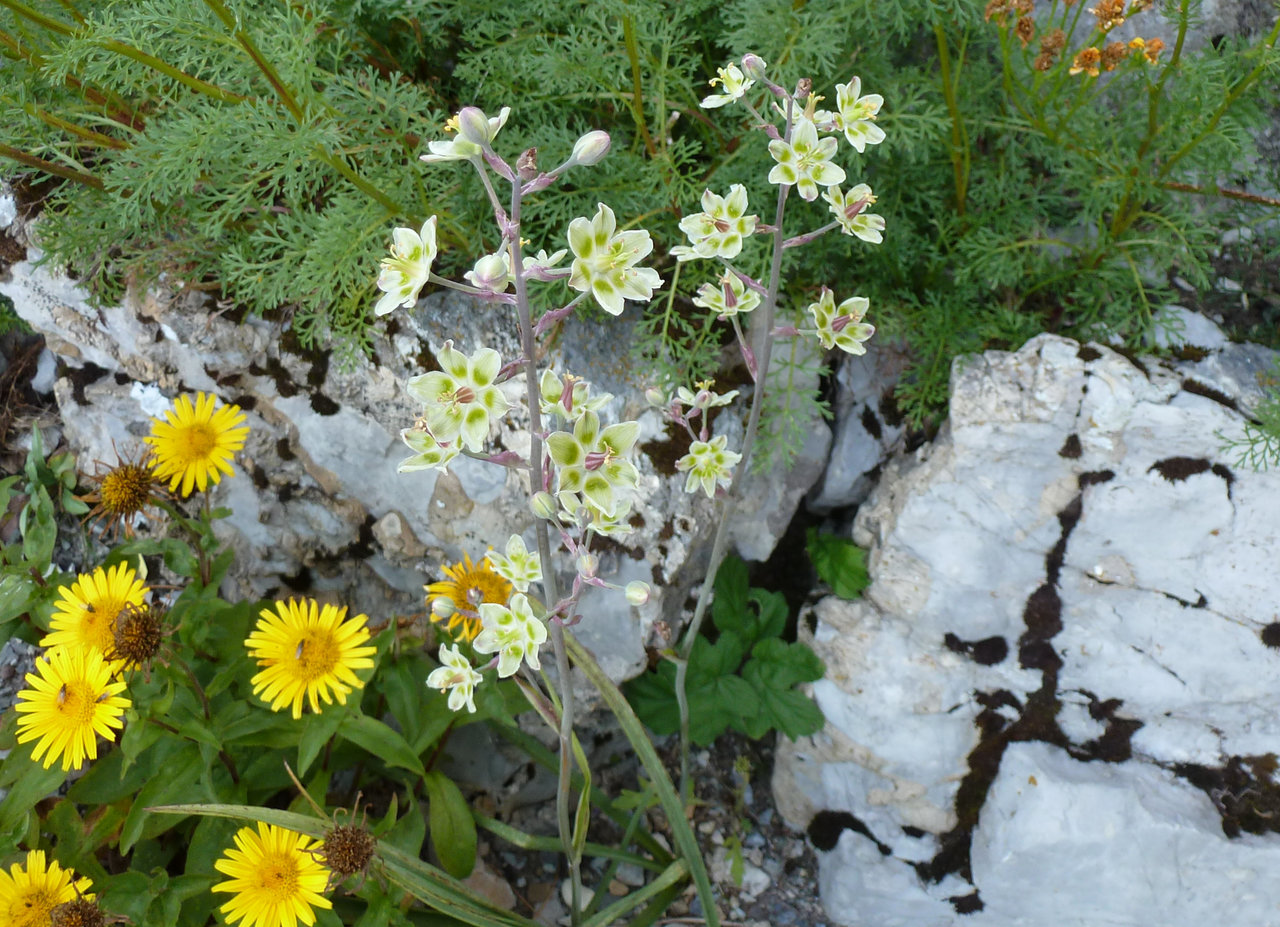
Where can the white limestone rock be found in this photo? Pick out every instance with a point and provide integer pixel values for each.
(866, 426)
(318, 481)
(1072, 583)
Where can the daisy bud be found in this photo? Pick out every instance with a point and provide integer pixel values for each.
(753, 66)
(543, 505)
(637, 593)
(473, 125)
(591, 148)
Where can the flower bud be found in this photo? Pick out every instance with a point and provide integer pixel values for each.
(591, 148)
(588, 565)
(492, 272)
(543, 505)
(527, 164)
(443, 608)
(473, 125)
(637, 593)
(655, 397)
(753, 66)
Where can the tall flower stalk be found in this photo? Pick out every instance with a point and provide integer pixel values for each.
(581, 479)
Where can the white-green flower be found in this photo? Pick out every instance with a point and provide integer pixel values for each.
(517, 566)
(733, 85)
(514, 633)
(407, 270)
(855, 115)
(428, 454)
(605, 259)
(842, 326)
(729, 298)
(456, 676)
(542, 262)
(721, 227)
(864, 225)
(708, 463)
(805, 161)
(705, 398)
(568, 398)
(592, 460)
(583, 513)
(461, 397)
(474, 130)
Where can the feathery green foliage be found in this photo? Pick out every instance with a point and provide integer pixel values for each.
(269, 159)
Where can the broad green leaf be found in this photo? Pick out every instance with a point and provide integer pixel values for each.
(178, 783)
(32, 783)
(380, 740)
(15, 593)
(453, 831)
(39, 529)
(772, 672)
(177, 554)
(840, 563)
(409, 830)
(317, 730)
(127, 894)
(730, 602)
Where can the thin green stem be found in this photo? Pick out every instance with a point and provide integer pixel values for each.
(637, 90)
(1232, 95)
(526, 841)
(764, 318)
(550, 587)
(959, 139)
(87, 135)
(49, 167)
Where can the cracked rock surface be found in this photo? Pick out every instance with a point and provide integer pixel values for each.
(1057, 701)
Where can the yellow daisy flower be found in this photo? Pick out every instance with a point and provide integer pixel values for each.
(74, 698)
(29, 894)
(275, 879)
(307, 650)
(193, 446)
(458, 598)
(86, 611)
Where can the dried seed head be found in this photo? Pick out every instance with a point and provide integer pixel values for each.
(1052, 42)
(137, 635)
(1025, 30)
(347, 850)
(1113, 54)
(78, 913)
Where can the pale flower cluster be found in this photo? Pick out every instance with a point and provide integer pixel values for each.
(590, 484)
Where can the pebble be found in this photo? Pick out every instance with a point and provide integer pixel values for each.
(566, 893)
(617, 888)
(631, 874)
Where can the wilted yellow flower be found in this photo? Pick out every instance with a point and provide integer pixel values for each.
(1087, 60)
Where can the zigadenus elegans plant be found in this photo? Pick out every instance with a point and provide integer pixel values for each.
(581, 481)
